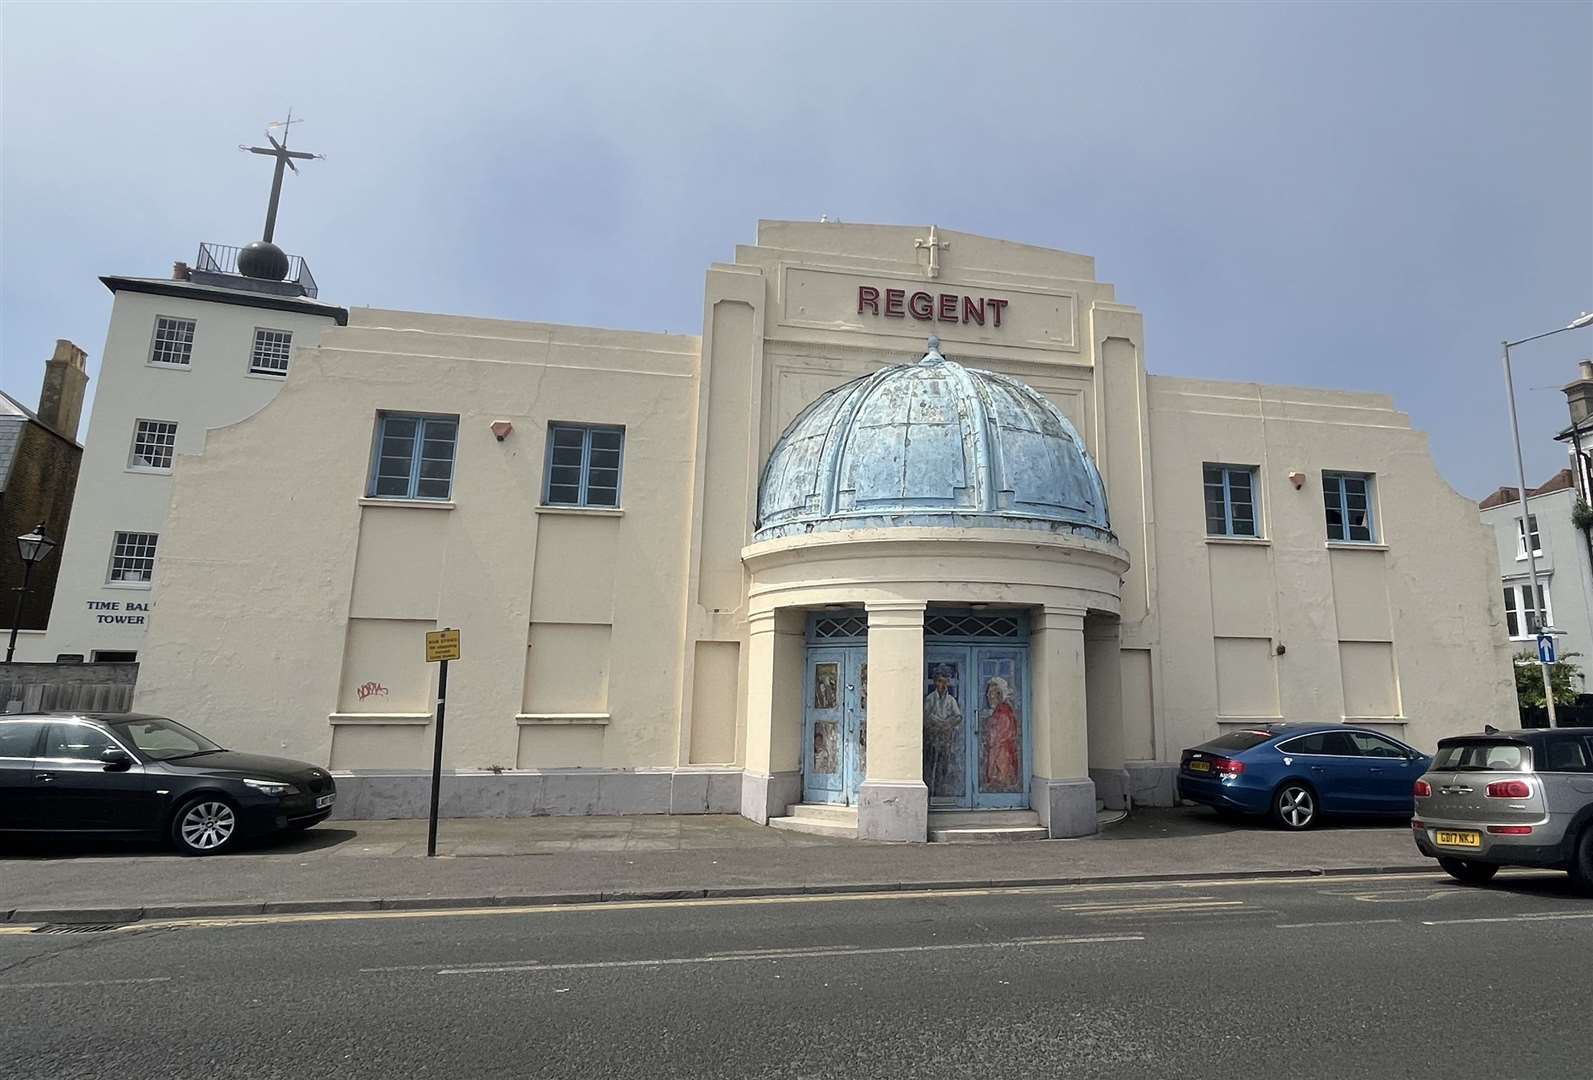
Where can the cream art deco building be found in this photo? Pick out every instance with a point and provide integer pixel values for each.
(907, 541)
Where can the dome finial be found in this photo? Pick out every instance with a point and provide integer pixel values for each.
(933, 355)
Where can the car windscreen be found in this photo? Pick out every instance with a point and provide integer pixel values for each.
(163, 740)
(1483, 755)
(1239, 740)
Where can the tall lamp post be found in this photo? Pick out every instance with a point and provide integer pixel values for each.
(33, 547)
(1537, 604)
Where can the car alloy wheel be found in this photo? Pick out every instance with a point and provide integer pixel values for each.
(207, 826)
(1582, 861)
(1294, 806)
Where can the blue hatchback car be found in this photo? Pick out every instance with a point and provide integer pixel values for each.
(1298, 772)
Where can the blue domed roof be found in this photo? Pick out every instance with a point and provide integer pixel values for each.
(931, 444)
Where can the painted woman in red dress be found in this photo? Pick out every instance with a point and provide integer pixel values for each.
(1001, 767)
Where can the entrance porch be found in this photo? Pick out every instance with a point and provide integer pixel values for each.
(871, 708)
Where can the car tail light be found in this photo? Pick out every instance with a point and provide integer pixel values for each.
(1510, 830)
(1228, 766)
(1509, 789)
(1416, 823)
(1423, 789)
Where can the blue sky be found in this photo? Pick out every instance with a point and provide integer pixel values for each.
(1365, 196)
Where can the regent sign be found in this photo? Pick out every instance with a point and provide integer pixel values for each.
(930, 307)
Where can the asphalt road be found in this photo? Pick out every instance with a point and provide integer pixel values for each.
(1405, 976)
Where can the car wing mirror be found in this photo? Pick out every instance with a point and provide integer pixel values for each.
(115, 759)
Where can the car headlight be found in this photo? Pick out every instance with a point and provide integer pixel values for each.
(272, 787)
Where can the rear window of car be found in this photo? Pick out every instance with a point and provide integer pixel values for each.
(1567, 753)
(1239, 740)
(17, 738)
(1483, 756)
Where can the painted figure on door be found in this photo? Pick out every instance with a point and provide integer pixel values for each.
(1001, 743)
(826, 678)
(826, 747)
(943, 734)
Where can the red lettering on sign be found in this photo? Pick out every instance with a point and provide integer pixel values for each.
(931, 307)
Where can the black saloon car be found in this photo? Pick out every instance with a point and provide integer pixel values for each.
(131, 773)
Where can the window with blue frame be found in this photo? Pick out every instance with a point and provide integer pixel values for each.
(1347, 499)
(414, 456)
(1231, 500)
(583, 465)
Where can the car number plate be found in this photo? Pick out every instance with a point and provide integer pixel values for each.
(1200, 766)
(1458, 839)
(324, 801)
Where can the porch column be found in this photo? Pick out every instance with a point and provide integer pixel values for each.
(1061, 792)
(772, 779)
(893, 801)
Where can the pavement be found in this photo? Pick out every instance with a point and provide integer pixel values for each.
(1410, 976)
(369, 865)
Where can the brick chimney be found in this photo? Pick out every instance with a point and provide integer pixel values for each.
(1579, 394)
(65, 378)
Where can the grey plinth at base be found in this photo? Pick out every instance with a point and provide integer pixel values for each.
(764, 797)
(468, 793)
(1066, 807)
(1111, 788)
(893, 810)
(1152, 783)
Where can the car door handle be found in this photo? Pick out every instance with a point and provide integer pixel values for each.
(1318, 768)
(43, 777)
(1374, 769)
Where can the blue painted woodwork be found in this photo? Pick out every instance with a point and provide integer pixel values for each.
(931, 444)
(834, 724)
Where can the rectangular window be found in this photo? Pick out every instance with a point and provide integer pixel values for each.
(1521, 537)
(133, 558)
(174, 342)
(1230, 500)
(153, 444)
(583, 465)
(414, 456)
(270, 353)
(1347, 498)
(1522, 615)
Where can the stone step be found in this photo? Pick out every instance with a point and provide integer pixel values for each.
(958, 819)
(987, 834)
(816, 826)
(846, 815)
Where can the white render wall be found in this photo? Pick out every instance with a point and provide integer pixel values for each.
(293, 608)
(216, 389)
(1562, 571)
(1404, 635)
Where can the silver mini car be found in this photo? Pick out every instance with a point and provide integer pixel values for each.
(1509, 798)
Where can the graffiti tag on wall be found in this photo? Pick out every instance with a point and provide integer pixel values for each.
(370, 689)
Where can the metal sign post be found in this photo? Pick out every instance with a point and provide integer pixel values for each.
(441, 647)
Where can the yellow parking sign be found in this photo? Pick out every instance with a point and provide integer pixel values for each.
(442, 645)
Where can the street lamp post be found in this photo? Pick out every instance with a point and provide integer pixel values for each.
(1535, 599)
(33, 547)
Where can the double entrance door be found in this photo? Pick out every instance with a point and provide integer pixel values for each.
(976, 725)
(835, 724)
(976, 729)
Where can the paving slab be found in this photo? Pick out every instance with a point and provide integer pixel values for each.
(350, 864)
